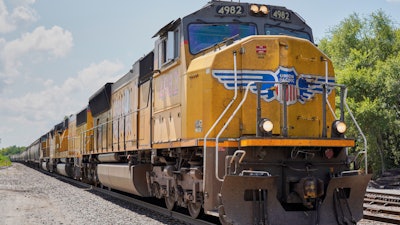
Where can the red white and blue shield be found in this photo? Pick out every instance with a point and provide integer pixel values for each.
(287, 75)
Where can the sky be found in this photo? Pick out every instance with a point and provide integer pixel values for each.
(55, 54)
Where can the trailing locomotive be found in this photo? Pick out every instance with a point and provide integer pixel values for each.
(232, 114)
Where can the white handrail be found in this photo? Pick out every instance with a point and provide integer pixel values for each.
(330, 107)
(229, 105)
(359, 130)
(226, 108)
(225, 126)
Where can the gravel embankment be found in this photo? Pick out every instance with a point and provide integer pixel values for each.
(30, 197)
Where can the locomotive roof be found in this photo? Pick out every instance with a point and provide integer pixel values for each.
(212, 10)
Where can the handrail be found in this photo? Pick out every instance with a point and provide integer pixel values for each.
(230, 103)
(227, 107)
(330, 107)
(224, 127)
(230, 119)
(343, 102)
(359, 130)
(343, 97)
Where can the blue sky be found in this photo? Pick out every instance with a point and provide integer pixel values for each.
(55, 54)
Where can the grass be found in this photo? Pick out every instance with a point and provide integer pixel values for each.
(4, 161)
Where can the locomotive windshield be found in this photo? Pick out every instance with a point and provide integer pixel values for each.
(202, 36)
(284, 31)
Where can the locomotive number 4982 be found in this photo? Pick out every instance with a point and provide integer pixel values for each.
(230, 10)
(280, 14)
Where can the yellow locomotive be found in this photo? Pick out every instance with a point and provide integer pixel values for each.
(232, 114)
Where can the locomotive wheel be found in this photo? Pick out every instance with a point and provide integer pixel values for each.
(170, 202)
(194, 209)
(155, 188)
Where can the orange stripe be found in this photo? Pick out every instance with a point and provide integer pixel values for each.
(176, 144)
(258, 142)
(226, 144)
(195, 143)
(298, 142)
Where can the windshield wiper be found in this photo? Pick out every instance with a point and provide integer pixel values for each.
(227, 41)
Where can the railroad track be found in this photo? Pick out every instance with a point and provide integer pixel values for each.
(136, 201)
(382, 206)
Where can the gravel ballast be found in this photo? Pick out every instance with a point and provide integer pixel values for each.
(30, 197)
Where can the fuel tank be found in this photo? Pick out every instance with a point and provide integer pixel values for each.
(61, 169)
(123, 177)
(44, 166)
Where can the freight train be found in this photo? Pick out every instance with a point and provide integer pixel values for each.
(232, 114)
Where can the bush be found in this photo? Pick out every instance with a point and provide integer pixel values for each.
(4, 161)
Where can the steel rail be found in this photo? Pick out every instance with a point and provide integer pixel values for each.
(382, 207)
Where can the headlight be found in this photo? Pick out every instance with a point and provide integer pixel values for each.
(338, 128)
(266, 125)
(254, 8)
(264, 9)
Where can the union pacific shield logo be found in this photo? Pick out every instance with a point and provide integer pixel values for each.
(289, 76)
(301, 88)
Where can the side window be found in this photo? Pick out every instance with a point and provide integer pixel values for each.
(168, 47)
(176, 43)
(162, 51)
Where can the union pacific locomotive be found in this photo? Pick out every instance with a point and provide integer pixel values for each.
(232, 114)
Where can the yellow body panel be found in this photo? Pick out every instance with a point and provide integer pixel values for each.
(61, 144)
(207, 97)
(144, 115)
(85, 133)
(167, 101)
(103, 132)
(73, 138)
(45, 150)
(124, 104)
(52, 146)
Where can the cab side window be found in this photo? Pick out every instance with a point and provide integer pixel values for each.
(168, 47)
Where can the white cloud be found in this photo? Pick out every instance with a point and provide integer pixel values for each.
(393, 1)
(33, 108)
(93, 77)
(38, 111)
(53, 42)
(67, 97)
(21, 13)
(24, 14)
(5, 20)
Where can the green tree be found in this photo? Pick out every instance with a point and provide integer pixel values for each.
(12, 150)
(366, 56)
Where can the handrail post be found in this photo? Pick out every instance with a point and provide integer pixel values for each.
(258, 116)
(324, 98)
(342, 90)
(324, 131)
(285, 117)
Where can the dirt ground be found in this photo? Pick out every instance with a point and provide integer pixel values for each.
(28, 197)
(22, 203)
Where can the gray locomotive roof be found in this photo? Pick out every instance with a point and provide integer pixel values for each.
(207, 14)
